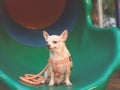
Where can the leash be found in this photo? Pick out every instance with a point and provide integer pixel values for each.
(34, 79)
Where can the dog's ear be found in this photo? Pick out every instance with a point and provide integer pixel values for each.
(46, 35)
(64, 35)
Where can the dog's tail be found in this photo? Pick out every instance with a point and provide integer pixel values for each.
(34, 79)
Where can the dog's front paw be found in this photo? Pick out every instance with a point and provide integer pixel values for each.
(51, 83)
(68, 83)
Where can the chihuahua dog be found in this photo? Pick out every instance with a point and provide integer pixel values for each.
(59, 62)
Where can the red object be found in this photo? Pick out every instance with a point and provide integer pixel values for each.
(35, 14)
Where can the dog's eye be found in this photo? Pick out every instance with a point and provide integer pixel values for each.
(55, 42)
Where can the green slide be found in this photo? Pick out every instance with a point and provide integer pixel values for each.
(95, 51)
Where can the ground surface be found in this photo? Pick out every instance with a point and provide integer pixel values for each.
(114, 82)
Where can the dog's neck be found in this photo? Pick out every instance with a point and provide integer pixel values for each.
(60, 53)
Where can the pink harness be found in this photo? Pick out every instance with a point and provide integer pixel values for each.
(56, 63)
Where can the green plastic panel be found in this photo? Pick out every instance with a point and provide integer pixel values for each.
(95, 53)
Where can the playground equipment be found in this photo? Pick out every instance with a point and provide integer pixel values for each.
(95, 51)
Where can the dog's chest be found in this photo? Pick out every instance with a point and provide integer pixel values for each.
(59, 66)
(60, 70)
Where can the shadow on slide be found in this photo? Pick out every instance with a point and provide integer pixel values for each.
(95, 51)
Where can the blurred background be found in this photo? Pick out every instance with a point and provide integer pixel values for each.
(103, 13)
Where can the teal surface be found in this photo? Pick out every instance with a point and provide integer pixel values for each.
(95, 53)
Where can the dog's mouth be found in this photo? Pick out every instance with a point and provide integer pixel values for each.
(50, 47)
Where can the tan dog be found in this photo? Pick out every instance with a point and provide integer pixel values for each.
(60, 63)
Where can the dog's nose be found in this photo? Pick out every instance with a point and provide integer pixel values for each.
(48, 46)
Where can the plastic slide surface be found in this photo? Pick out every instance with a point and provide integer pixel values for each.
(95, 51)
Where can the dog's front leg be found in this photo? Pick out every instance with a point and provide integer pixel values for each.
(51, 83)
(67, 79)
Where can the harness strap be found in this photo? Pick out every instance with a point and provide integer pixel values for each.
(55, 64)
